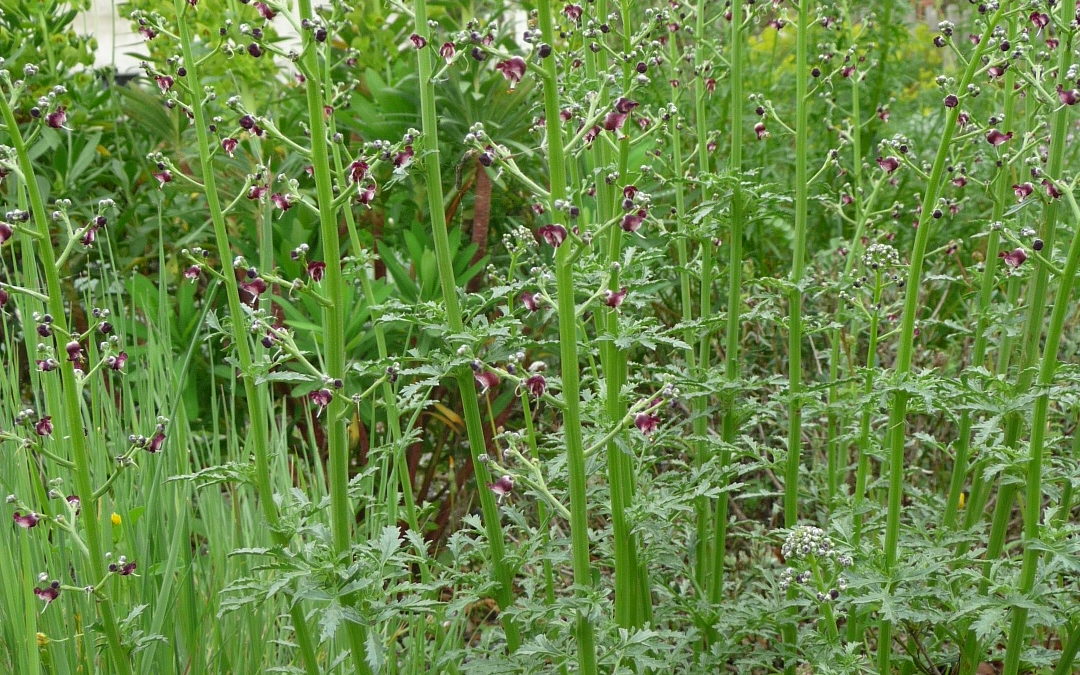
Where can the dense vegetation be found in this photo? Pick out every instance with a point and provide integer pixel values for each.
(479, 337)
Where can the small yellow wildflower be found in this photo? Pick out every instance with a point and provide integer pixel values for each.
(116, 519)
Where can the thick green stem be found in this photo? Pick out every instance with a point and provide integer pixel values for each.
(568, 351)
(502, 571)
(73, 429)
(898, 416)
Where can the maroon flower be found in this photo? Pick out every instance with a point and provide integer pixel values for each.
(625, 105)
(49, 593)
(316, 269)
(117, 362)
(553, 235)
(123, 570)
(591, 134)
(997, 70)
(4, 297)
(447, 51)
(163, 177)
(573, 12)
(229, 145)
(1051, 190)
(321, 397)
(996, 138)
(404, 158)
(26, 521)
(536, 385)
(646, 422)
(959, 181)
(247, 122)
(74, 350)
(367, 195)
(57, 118)
(529, 300)
(257, 191)
(761, 131)
(1040, 19)
(418, 41)
(192, 273)
(1023, 191)
(513, 69)
(502, 486)
(614, 121)
(164, 82)
(147, 33)
(89, 236)
(155, 444)
(485, 379)
(283, 202)
(251, 290)
(951, 101)
(358, 171)
(1068, 96)
(47, 365)
(75, 503)
(883, 113)
(44, 426)
(5, 232)
(615, 298)
(888, 164)
(1014, 258)
(265, 10)
(631, 222)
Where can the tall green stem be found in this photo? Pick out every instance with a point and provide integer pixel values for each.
(257, 414)
(474, 425)
(568, 352)
(898, 417)
(74, 429)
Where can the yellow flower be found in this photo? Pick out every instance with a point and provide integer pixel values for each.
(42, 639)
(962, 500)
(116, 519)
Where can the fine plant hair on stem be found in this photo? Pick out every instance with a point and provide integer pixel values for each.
(474, 425)
(254, 395)
(70, 388)
(568, 352)
(897, 429)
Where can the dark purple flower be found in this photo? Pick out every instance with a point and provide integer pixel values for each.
(5, 232)
(192, 273)
(631, 222)
(615, 298)
(761, 131)
(316, 269)
(951, 101)
(553, 235)
(418, 41)
(485, 379)
(529, 300)
(74, 350)
(614, 121)
(47, 365)
(1051, 190)
(536, 385)
(591, 134)
(959, 181)
(89, 236)
(1023, 191)
(358, 171)
(1040, 19)
(4, 297)
(57, 118)
(1068, 96)
(1013, 258)
(281, 201)
(321, 397)
(646, 422)
(883, 113)
(44, 426)
(573, 12)
(265, 10)
(888, 164)
(255, 50)
(155, 444)
(251, 290)
(997, 70)
(49, 593)
(502, 486)
(625, 105)
(513, 69)
(117, 362)
(163, 177)
(247, 122)
(257, 191)
(404, 158)
(164, 83)
(229, 145)
(447, 51)
(147, 33)
(75, 503)
(996, 138)
(367, 195)
(26, 521)
(125, 570)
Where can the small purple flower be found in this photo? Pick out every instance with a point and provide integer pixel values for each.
(1040, 20)
(75, 503)
(502, 486)
(1023, 191)
(163, 177)
(74, 350)
(760, 131)
(117, 362)
(229, 145)
(1014, 258)
(147, 33)
(418, 41)
(1051, 190)
(646, 422)
(192, 273)
(367, 195)
(123, 570)
(614, 299)
(536, 385)
(26, 521)
(625, 105)
(44, 426)
(998, 70)
(513, 69)
(553, 235)
(404, 158)
(257, 192)
(5, 232)
(164, 83)
(358, 171)
(591, 134)
(265, 10)
(247, 122)
(888, 164)
(1067, 96)
(4, 297)
(47, 365)
(486, 380)
(89, 237)
(951, 101)
(155, 444)
(49, 593)
(573, 12)
(251, 290)
(631, 222)
(255, 50)
(959, 181)
(321, 397)
(529, 300)
(447, 51)
(614, 121)
(57, 118)
(996, 138)
(316, 269)
(283, 202)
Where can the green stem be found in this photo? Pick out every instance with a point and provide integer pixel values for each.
(72, 403)
(898, 417)
(568, 337)
(474, 425)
